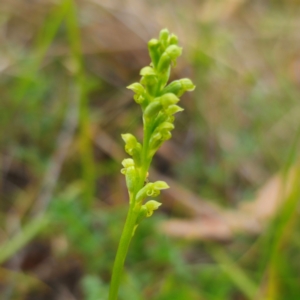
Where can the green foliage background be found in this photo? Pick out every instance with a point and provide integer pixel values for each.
(64, 66)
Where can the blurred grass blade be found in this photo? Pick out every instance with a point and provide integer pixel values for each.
(85, 142)
(30, 230)
(235, 273)
(282, 227)
(282, 232)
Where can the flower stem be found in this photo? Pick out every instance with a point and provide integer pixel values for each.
(128, 229)
(122, 252)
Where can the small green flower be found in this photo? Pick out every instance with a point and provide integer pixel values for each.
(140, 92)
(151, 206)
(151, 189)
(137, 88)
(127, 163)
(173, 109)
(147, 210)
(132, 147)
(130, 175)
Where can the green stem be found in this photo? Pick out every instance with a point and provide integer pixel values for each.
(122, 253)
(145, 160)
(130, 223)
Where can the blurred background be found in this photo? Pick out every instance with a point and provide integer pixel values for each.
(229, 224)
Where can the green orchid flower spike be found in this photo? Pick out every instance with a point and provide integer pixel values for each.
(158, 101)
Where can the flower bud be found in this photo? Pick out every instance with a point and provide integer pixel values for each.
(152, 110)
(187, 84)
(150, 83)
(164, 63)
(147, 71)
(154, 51)
(173, 51)
(149, 79)
(169, 56)
(174, 87)
(179, 87)
(168, 99)
(164, 37)
(131, 179)
(165, 126)
(173, 39)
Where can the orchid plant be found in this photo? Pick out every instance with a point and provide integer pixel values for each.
(158, 101)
